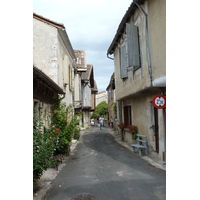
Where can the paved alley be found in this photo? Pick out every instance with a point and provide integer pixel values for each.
(100, 168)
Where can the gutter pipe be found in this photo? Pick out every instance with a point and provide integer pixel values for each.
(109, 57)
(63, 97)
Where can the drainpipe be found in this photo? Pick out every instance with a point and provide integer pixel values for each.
(164, 127)
(147, 41)
(63, 97)
(109, 57)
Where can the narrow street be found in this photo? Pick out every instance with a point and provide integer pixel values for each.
(101, 168)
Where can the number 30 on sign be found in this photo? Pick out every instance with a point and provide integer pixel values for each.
(159, 101)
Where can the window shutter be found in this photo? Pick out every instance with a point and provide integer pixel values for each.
(66, 61)
(132, 46)
(123, 66)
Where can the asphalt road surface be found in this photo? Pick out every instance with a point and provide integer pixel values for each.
(100, 168)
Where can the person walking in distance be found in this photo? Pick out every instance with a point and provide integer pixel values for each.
(101, 121)
(111, 123)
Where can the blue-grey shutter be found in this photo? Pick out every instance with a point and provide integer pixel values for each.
(132, 46)
(123, 65)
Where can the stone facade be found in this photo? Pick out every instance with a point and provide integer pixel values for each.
(53, 54)
(141, 82)
(86, 96)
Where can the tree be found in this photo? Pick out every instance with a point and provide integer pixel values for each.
(101, 109)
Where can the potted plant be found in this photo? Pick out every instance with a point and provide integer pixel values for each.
(121, 126)
(134, 130)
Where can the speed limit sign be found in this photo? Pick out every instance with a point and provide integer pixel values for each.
(159, 101)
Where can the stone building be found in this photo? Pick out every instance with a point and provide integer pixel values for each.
(54, 55)
(45, 93)
(87, 93)
(139, 50)
(111, 100)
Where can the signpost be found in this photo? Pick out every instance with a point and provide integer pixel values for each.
(159, 102)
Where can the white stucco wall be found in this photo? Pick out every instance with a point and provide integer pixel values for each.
(45, 44)
(52, 57)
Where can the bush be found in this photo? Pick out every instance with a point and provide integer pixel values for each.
(61, 129)
(43, 149)
(57, 139)
(101, 109)
(77, 133)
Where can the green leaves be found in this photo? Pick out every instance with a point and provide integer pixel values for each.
(42, 151)
(101, 109)
(57, 139)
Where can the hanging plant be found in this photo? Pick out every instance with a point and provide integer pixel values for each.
(133, 129)
(121, 125)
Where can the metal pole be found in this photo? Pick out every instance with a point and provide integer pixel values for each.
(164, 127)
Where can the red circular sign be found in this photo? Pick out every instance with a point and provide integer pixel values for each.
(159, 101)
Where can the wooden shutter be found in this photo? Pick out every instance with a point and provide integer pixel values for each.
(71, 78)
(123, 66)
(132, 46)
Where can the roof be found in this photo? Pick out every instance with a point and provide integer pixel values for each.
(61, 30)
(48, 21)
(86, 75)
(122, 25)
(112, 77)
(41, 75)
(95, 89)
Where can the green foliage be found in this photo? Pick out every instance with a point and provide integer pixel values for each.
(134, 136)
(77, 133)
(43, 149)
(62, 128)
(57, 139)
(134, 130)
(101, 109)
(114, 108)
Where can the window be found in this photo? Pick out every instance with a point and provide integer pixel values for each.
(132, 47)
(127, 115)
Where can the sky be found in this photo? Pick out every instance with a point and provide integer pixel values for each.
(91, 26)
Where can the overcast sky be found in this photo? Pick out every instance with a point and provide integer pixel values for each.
(91, 26)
